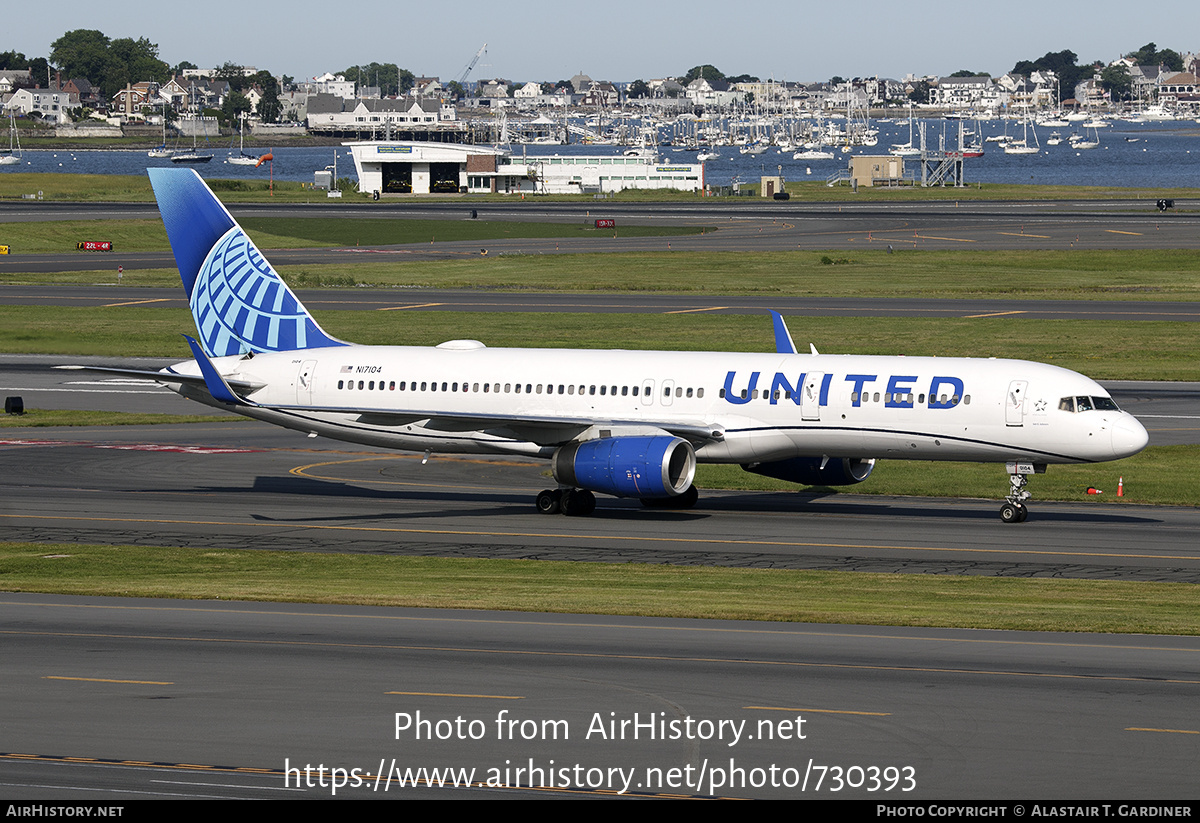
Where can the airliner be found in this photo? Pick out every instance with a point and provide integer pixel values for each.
(630, 424)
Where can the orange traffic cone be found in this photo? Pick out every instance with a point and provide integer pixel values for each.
(1094, 490)
(1120, 487)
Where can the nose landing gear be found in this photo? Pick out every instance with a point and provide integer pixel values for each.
(1014, 510)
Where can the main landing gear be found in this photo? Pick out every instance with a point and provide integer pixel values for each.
(580, 502)
(571, 502)
(1014, 510)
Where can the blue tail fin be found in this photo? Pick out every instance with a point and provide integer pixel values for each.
(240, 304)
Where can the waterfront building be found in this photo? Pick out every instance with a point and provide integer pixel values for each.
(396, 167)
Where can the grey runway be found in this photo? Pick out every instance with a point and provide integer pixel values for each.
(111, 698)
(249, 485)
(745, 227)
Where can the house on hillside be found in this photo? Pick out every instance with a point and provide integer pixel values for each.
(51, 105)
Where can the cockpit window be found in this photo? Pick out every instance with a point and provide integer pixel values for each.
(1082, 404)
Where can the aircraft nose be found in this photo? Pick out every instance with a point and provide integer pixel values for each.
(1128, 436)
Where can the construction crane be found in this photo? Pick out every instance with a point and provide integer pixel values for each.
(462, 79)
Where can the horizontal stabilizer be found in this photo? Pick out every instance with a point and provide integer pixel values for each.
(243, 386)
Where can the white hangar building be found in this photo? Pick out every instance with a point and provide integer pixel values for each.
(424, 168)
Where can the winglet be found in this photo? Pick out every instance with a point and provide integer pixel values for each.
(783, 338)
(213, 380)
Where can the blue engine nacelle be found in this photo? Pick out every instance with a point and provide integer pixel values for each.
(646, 467)
(844, 471)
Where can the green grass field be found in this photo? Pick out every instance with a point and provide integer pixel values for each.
(1141, 350)
(1051, 275)
(53, 418)
(605, 588)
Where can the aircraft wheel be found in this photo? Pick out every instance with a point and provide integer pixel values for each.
(1022, 512)
(1009, 513)
(577, 502)
(588, 501)
(549, 501)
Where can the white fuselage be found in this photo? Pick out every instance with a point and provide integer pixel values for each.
(463, 397)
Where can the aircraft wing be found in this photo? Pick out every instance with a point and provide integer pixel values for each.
(537, 429)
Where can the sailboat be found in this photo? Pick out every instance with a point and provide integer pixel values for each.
(192, 156)
(161, 150)
(241, 158)
(1022, 146)
(12, 155)
(1081, 142)
(815, 149)
(906, 149)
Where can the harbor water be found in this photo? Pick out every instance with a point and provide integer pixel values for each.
(1145, 155)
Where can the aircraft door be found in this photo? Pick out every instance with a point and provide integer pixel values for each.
(647, 392)
(1014, 403)
(304, 382)
(810, 396)
(668, 389)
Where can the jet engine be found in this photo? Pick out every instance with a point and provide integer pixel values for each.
(808, 471)
(647, 467)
